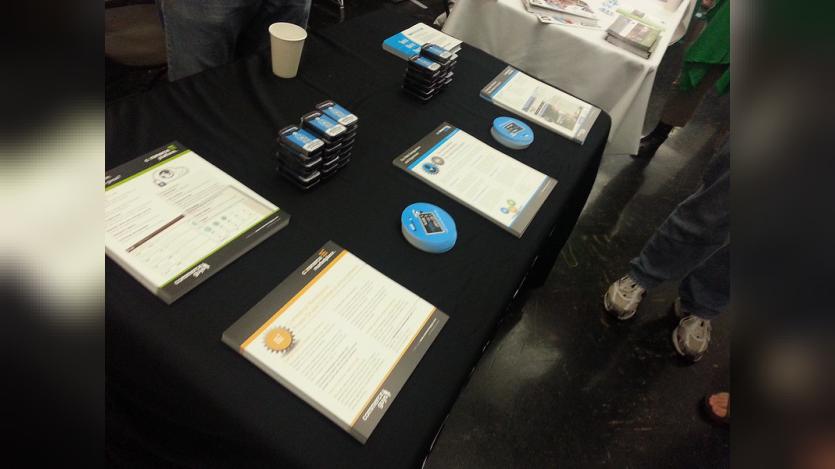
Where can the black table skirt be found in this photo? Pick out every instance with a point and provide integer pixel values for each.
(177, 395)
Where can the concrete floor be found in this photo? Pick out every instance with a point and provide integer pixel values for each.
(562, 385)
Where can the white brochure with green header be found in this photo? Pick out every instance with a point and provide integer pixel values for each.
(172, 219)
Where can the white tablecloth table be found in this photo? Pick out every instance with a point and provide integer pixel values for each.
(574, 59)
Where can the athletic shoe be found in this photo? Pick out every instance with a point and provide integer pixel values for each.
(623, 297)
(691, 337)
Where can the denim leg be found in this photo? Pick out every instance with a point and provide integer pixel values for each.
(692, 233)
(705, 292)
(202, 34)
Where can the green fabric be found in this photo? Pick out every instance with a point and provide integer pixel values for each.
(713, 47)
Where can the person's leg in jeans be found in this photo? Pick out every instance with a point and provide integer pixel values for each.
(697, 228)
(693, 243)
(202, 34)
(705, 292)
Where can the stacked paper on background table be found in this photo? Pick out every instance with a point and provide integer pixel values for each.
(635, 33)
(577, 60)
(564, 12)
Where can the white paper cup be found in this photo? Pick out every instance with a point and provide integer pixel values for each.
(286, 42)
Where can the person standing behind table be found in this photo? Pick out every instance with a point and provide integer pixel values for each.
(706, 63)
(202, 34)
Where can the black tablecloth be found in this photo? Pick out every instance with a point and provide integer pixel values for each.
(177, 394)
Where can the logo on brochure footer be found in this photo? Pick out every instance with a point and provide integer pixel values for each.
(379, 403)
(323, 256)
(279, 340)
(443, 129)
(195, 272)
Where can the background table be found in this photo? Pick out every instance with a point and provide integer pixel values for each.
(177, 394)
(575, 59)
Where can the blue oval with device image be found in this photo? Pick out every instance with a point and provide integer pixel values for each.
(512, 133)
(428, 228)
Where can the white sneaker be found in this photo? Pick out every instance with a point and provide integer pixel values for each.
(691, 337)
(623, 297)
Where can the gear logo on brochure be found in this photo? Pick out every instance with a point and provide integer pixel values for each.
(430, 168)
(279, 340)
(166, 175)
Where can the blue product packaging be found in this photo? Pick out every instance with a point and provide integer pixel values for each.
(428, 228)
(300, 163)
(423, 98)
(331, 149)
(302, 183)
(425, 66)
(323, 126)
(330, 158)
(326, 166)
(329, 171)
(338, 113)
(289, 155)
(348, 142)
(417, 82)
(298, 168)
(436, 53)
(512, 133)
(299, 140)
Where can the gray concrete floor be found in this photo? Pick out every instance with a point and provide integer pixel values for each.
(564, 386)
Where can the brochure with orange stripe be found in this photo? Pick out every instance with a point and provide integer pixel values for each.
(341, 336)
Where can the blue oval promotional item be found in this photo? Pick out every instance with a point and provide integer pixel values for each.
(428, 228)
(512, 133)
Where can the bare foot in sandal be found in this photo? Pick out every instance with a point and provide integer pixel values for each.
(718, 407)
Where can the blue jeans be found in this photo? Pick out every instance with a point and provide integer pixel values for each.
(202, 34)
(693, 243)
